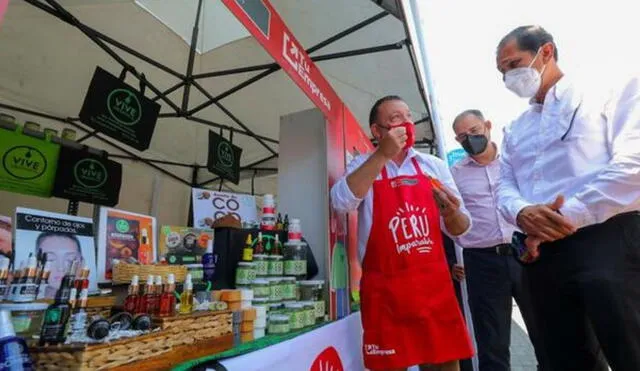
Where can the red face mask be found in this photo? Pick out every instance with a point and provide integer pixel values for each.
(411, 133)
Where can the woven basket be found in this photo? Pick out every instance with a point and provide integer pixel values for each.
(123, 272)
(177, 332)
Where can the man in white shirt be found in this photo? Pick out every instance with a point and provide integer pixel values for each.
(493, 277)
(410, 314)
(570, 179)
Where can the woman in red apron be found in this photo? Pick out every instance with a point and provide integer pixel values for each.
(410, 314)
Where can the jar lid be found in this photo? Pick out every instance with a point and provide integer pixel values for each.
(273, 279)
(289, 279)
(276, 257)
(261, 301)
(279, 317)
(311, 283)
(294, 305)
(285, 303)
(245, 264)
(277, 305)
(295, 243)
(23, 306)
(260, 281)
(307, 303)
(260, 256)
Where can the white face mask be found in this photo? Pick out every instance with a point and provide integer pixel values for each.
(524, 81)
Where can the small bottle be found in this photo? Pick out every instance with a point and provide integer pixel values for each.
(209, 263)
(279, 223)
(146, 301)
(168, 299)
(277, 250)
(14, 353)
(145, 252)
(44, 280)
(258, 247)
(131, 301)
(157, 292)
(247, 251)
(295, 231)
(285, 225)
(56, 317)
(268, 222)
(4, 275)
(79, 317)
(186, 299)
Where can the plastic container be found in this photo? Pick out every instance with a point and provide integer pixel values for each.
(309, 313)
(313, 291)
(26, 317)
(275, 265)
(258, 333)
(260, 288)
(275, 289)
(295, 230)
(14, 353)
(276, 308)
(295, 259)
(279, 324)
(289, 288)
(297, 315)
(269, 217)
(261, 262)
(245, 274)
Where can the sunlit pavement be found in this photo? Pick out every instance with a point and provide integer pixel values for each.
(522, 356)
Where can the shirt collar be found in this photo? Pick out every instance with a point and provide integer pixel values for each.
(556, 92)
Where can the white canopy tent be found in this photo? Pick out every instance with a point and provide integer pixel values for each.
(47, 61)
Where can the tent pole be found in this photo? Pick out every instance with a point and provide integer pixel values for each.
(227, 127)
(112, 144)
(192, 57)
(316, 47)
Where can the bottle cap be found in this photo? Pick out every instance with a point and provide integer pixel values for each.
(135, 280)
(171, 279)
(6, 326)
(158, 280)
(249, 240)
(209, 246)
(150, 280)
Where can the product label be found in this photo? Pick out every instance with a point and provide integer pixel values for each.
(247, 254)
(295, 267)
(262, 268)
(296, 320)
(21, 323)
(309, 317)
(289, 291)
(278, 328)
(275, 292)
(261, 291)
(244, 276)
(276, 268)
(295, 236)
(319, 308)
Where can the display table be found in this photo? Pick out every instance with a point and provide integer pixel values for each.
(337, 344)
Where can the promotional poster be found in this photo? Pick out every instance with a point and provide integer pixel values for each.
(183, 245)
(210, 205)
(126, 236)
(63, 237)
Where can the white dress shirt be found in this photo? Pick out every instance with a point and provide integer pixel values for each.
(597, 165)
(343, 200)
(477, 184)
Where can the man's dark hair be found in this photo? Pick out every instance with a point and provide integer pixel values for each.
(475, 112)
(373, 114)
(45, 235)
(529, 38)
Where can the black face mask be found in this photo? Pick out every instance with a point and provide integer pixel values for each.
(475, 144)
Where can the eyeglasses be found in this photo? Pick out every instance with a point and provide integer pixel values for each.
(474, 131)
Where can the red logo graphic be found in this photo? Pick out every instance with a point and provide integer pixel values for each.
(328, 360)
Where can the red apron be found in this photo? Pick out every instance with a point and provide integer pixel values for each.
(410, 313)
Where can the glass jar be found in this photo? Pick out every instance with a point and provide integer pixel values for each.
(309, 313)
(295, 259)
(289, 288)
(296, 315)
(260, 302)
(262, 265)
(245, 274)
(279, 324)
(313, 291)
(276, 308)
(261, 288)
(275, 265)
(275, 289)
